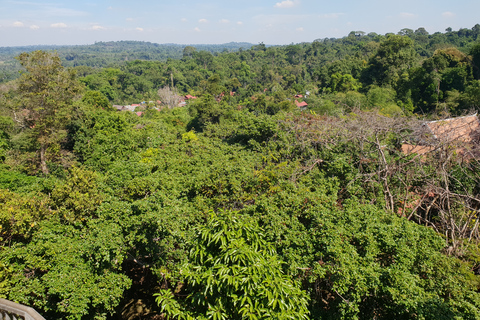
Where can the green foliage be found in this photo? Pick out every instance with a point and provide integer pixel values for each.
(69, 273)
(378, 97)
(6, 125)
(78, 197)
(189, 136)
(343, 83)
(48, 91)
(20, 215)
(392, 60)
(206, 110)
(475, 52)
(102, 137)
(234, 274)
(447, 71)
(14, 180)
(103, 82)
(377, 265)
(325, 106)
(309, 202)
(391, 110)
(471, 96)
(95, 99)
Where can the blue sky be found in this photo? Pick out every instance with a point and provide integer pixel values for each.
(213, 21)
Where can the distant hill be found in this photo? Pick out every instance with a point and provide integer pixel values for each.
(113, 53)
(129, 50)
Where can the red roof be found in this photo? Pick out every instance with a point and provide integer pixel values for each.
(139, 113)
(301, 104)
(232, 93)
(135, 105)
(466, 129)
(188, 97)
(462, 134)
(298, 96)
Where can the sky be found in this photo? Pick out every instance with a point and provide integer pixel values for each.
(77, 22)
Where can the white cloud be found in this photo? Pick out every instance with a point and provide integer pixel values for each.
(239, 23)
(97, 27)
(287, 4)
(407, 15)
(224, 21)
(34, 27)
(448, 14)
(300, 29)
(139, 29)
(184, 20)
(18, 24)
(203, 20)
(129, 19)
(197, 29)
(58, 25)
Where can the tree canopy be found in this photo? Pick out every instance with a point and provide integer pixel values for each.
(270, 182)
(47, 92)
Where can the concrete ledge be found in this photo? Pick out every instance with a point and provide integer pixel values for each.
(12, 310)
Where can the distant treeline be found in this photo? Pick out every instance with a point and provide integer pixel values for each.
(103, 54)
(116, 53)
(404, 73)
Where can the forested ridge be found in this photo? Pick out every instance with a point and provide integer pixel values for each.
(262, 183)
(105, 54)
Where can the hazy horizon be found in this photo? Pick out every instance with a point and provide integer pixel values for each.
(67, 22)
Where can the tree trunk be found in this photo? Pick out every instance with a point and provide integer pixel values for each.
(43, 160)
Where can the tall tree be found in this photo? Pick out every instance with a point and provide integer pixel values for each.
(390, 64)
(48, 91)
(475, 53)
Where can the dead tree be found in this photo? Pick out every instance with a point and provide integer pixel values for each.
(414, 172)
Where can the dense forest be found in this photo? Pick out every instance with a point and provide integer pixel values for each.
(107, 54)
(267, 182)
